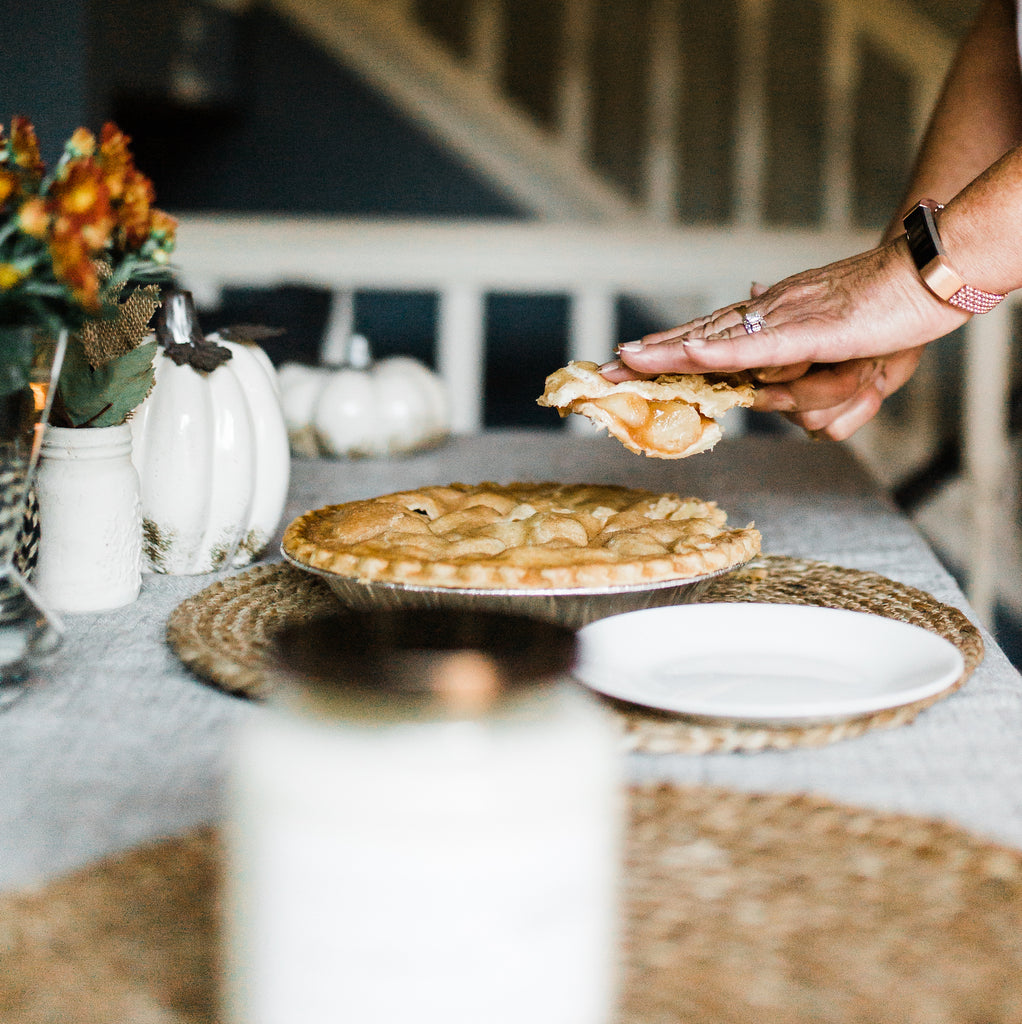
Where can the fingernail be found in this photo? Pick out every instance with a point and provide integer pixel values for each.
(776, 398)
(694, 342)
(614, 364)
(630, 346)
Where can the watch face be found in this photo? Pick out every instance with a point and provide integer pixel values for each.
(923, 240)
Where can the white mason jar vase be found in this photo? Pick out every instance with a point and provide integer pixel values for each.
(90, 520)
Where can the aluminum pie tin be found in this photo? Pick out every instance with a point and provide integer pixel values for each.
(573, 607)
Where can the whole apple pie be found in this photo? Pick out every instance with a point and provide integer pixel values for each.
(670, 416)
(533, 535)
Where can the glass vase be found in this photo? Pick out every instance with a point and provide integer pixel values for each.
(30, 360)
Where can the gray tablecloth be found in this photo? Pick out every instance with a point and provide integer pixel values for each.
(117, 743)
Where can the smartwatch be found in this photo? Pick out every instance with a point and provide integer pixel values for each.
(932, 263)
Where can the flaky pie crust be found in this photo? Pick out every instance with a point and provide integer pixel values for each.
(543, 535)
(670, 416)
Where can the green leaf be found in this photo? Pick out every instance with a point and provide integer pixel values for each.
(15, 359)
(107, 396)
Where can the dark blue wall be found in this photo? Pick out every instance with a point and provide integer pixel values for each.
(284, 128)
(43, 67)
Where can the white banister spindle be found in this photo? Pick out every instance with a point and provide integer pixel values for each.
(750, 130)
(987, 451)
(662, 151)
(919, 47)
(574, 110)
(486, 40)
(592, 325)
(207, 294)
(591, 332)
(841, 70)
(461, 357)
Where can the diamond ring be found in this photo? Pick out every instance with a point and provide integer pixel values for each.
(753, 322)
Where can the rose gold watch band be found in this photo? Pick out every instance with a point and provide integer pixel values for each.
(933, 266)
(974, 300)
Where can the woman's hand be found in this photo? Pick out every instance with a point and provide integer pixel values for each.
(834, 343)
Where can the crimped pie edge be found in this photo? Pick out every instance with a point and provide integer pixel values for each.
(730, 547)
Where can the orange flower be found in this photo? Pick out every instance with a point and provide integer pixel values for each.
(81, 202)
(8, 185)
(81, 143)
(72, 262)
(163, 225)
(115, 158)
(81, 189)
(25, 146)
(134, 213)
(162, 231)
(34, 217)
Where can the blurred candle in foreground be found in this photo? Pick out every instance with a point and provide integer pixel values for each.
(424, 827)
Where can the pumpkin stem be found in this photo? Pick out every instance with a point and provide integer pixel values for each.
(342, 348)
(178, 331)
(352, 352)
(358, 356)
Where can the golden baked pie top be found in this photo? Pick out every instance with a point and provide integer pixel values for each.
(520, 535)
(669, 417)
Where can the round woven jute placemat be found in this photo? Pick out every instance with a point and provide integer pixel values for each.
(222, 634)
(737, 908)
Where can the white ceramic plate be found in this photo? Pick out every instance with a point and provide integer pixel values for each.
(770, 663)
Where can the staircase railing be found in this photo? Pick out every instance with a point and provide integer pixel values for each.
(549, 171)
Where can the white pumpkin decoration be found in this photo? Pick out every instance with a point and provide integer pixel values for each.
(210, 447)
(358, 407)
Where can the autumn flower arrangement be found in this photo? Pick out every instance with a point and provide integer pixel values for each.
(81, 249)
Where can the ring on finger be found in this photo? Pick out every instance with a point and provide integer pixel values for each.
(752, 322)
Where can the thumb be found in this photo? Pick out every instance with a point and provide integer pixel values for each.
(756, 289)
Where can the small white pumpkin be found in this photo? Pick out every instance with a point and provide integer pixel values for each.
(358, 407)
(210, 447)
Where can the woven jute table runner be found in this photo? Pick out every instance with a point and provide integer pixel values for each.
(737, 908)
(222, 634)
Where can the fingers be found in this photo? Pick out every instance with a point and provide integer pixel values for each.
(780, 374)
(723, 342)
(726, 349)
(852, 416)
(833, 402)
(615, 371)
(822, 388)
(712, 323)
(719, 319)
(830, 401)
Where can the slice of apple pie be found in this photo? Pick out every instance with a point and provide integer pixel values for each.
(670, 416)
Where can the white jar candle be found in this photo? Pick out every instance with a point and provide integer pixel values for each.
(424, 835)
